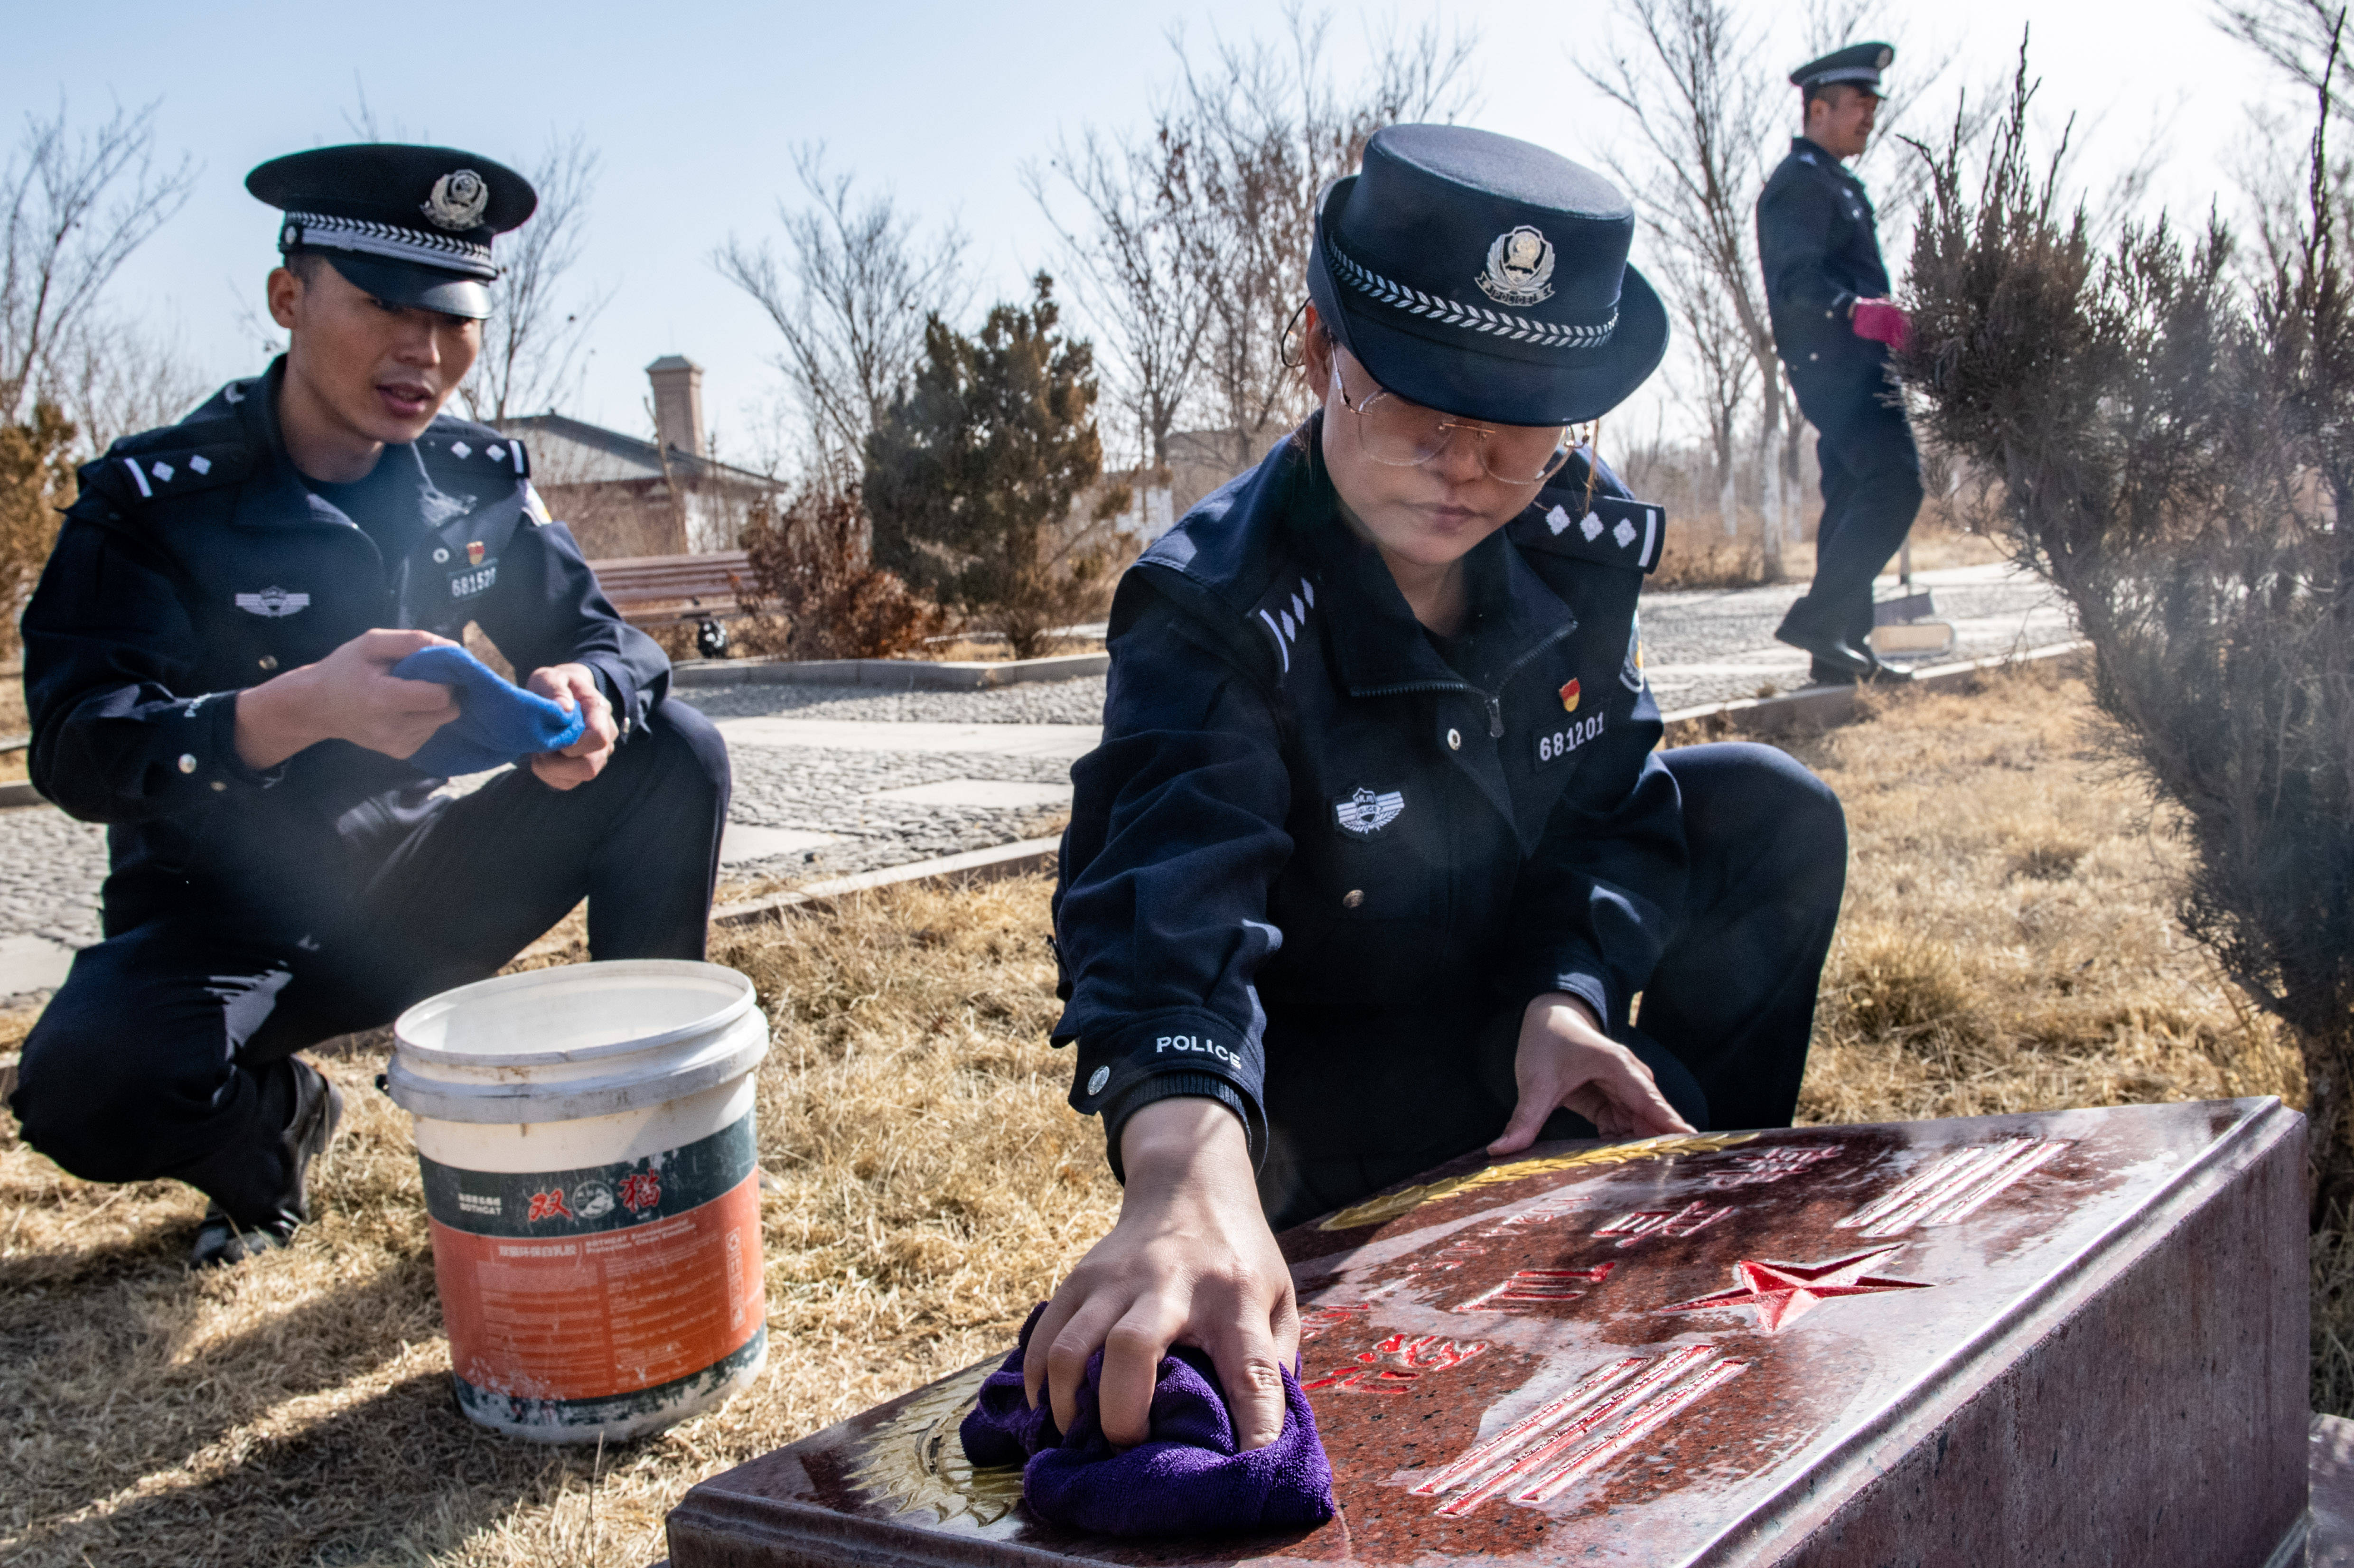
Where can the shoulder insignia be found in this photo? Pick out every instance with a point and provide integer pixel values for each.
(1283, 614)
(474, 451)
(1609, 529)
(150, 468)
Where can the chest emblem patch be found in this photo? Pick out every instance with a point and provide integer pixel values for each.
(1364, 812)
(272, 602)
(1569, 695)
(474, 553)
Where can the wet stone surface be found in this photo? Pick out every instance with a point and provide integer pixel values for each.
(1655, 1352)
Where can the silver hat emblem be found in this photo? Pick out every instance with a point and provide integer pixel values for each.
(460, 198)
(1520, 268)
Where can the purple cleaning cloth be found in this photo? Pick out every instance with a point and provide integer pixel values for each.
(1184, 1479)
(497, 720)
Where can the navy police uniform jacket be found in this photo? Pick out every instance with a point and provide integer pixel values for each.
(1301, 801)
(1820, 252)
(195, 563)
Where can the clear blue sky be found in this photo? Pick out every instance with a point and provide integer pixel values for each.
(695, 109)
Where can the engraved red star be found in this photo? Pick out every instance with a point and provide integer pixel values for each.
(1783, 1292)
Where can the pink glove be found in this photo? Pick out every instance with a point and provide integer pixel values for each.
(1881, 322)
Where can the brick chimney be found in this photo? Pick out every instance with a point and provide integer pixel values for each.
(678, 403)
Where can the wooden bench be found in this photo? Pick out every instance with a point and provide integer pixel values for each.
(656, 590)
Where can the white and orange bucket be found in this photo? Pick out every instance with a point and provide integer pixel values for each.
(590, 1180)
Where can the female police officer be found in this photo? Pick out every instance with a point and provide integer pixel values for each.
(1376, 852)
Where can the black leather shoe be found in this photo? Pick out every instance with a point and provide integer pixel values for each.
(221, 1243)
(318, 1113)
(1839, 662)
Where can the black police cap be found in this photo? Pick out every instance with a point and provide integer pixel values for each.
(1857, 64)
(1486, 277)
(410, 224)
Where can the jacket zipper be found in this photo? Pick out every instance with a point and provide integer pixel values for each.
(1495, 700)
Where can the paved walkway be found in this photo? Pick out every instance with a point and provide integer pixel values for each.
(830, 782)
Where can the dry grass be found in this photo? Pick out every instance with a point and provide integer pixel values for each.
(13, 721)
(929, 1184)
(2007, 942)
(1699, 554)
(2007, 945)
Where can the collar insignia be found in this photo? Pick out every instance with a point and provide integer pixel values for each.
(458, 200)
(1520, 268)
(1365, 813)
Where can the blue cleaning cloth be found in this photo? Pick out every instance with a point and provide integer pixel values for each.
(1185, 1478)
(497, 720)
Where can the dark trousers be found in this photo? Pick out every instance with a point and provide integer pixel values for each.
(1355, 1103)
(1871, 490)
(165, 1053)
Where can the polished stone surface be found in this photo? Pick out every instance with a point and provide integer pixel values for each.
(2075, 1337)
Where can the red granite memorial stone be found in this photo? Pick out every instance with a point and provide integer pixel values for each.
(2068, 1338)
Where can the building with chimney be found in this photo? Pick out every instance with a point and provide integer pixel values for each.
(625, 496)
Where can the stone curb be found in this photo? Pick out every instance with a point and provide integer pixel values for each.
(1821, 707)
(1017, 859)
(19, 792)
(889, 674)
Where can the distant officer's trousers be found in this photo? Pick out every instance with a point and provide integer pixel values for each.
(1872, 490)
(1355, 1102)
(165, 1053)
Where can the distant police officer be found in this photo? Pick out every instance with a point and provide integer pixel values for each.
(1826, 289)
(206, 664)
(1378, 850)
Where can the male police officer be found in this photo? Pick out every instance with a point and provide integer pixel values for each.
(1826, 289)
(207, 660)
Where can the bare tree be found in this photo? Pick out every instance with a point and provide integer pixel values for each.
(1131, 264)
(533, 343)
(78, 205)
(2296, 36)
(122, 377)
(1253, 135)
(1704, 113)
(850, 298)
(1720, 352)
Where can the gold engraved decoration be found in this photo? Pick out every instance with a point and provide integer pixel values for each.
(916, 1460)
(1388, 1206)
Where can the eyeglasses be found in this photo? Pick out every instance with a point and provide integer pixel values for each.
(1401, 434)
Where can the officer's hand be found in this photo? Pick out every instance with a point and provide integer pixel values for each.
(348, 695)
(571, 687)
(1882, 322)
(1564, 1060)
(1191, 1262)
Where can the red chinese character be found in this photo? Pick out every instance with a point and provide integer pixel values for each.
(1761, 1166)
(548, 1205)
(1316, 1320)
(1415, 1356)
(1537, 1285)
(1690, 1220)
(642, 1189)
